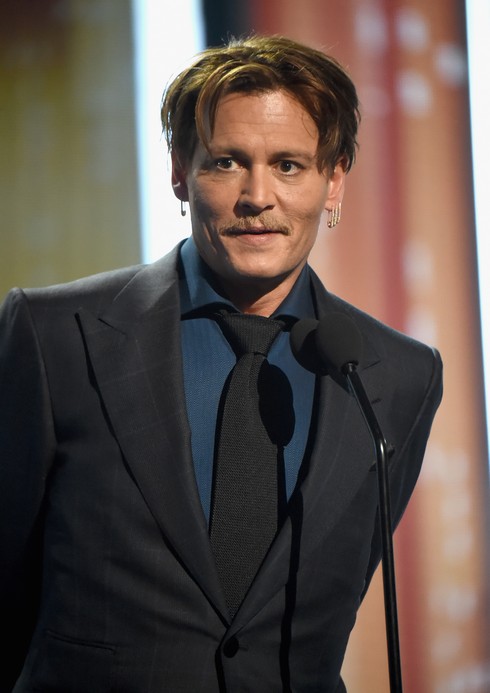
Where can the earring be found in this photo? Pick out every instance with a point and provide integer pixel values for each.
(334, 216)
(183, 210)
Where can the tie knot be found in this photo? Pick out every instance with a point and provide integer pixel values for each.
(249, 334)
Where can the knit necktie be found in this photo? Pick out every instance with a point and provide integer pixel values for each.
(252, 428)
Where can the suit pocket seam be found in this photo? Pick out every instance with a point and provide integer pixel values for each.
(79, 641)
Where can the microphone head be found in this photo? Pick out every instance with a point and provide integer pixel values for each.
(303, 345)
(338, 341)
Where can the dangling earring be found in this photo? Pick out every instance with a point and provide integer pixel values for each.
(183, 211)
(334, 216)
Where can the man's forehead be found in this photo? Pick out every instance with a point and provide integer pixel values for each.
(277, 98)
(274, 112)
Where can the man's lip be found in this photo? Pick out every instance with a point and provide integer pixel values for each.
(252, 231)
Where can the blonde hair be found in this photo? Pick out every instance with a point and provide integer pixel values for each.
(260, 64)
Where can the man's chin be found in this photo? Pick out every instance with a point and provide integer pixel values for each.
(253, 278)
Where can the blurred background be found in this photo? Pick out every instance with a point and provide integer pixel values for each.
(85, 187)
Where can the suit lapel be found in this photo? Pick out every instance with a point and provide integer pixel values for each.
(341, 457)
(134, 348)
(343, 451)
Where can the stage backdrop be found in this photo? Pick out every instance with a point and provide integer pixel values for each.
(405, 252)
(68, 178)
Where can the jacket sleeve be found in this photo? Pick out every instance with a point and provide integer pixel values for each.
(27, 446)
(405, 466)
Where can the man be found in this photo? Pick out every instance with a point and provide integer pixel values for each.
(111, 401)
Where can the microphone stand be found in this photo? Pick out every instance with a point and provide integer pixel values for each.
(388, 563)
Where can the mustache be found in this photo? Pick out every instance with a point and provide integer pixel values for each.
(258, 224)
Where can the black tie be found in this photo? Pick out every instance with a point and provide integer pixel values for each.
(251, 432)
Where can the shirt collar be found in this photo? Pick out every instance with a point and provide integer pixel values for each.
(198, 291)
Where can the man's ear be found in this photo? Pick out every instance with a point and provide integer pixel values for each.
(336, 186)
(179, 183)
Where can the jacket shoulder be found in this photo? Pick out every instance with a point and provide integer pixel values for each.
(95, 291)
(403, 357)
(84, 290)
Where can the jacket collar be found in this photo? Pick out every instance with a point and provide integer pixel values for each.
(134, 348)
(341, 457)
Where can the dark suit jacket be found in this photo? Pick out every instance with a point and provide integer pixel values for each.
(107, 578)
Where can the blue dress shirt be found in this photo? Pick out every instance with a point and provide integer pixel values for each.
(208, 359)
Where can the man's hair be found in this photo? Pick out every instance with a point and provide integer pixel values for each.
(259, 64)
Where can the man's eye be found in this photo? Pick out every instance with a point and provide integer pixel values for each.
(288, 167)
(225, 163)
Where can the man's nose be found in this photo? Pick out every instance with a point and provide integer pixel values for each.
(257, 191)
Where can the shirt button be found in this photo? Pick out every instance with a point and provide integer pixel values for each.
(231, 647)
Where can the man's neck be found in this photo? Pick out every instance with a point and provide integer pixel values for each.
(259, 300)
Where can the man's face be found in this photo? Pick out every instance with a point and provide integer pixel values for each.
(256, 197)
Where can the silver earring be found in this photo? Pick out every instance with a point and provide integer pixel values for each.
(183, 210)
(334, 216)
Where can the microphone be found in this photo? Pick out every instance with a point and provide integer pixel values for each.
(327, 345)
(302, 339)
(333, 346)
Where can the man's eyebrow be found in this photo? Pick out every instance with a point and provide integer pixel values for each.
(295, 154)
(281, 154)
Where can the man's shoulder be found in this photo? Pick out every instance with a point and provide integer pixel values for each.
(399, 352)
(101, 288)
(110, 281)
